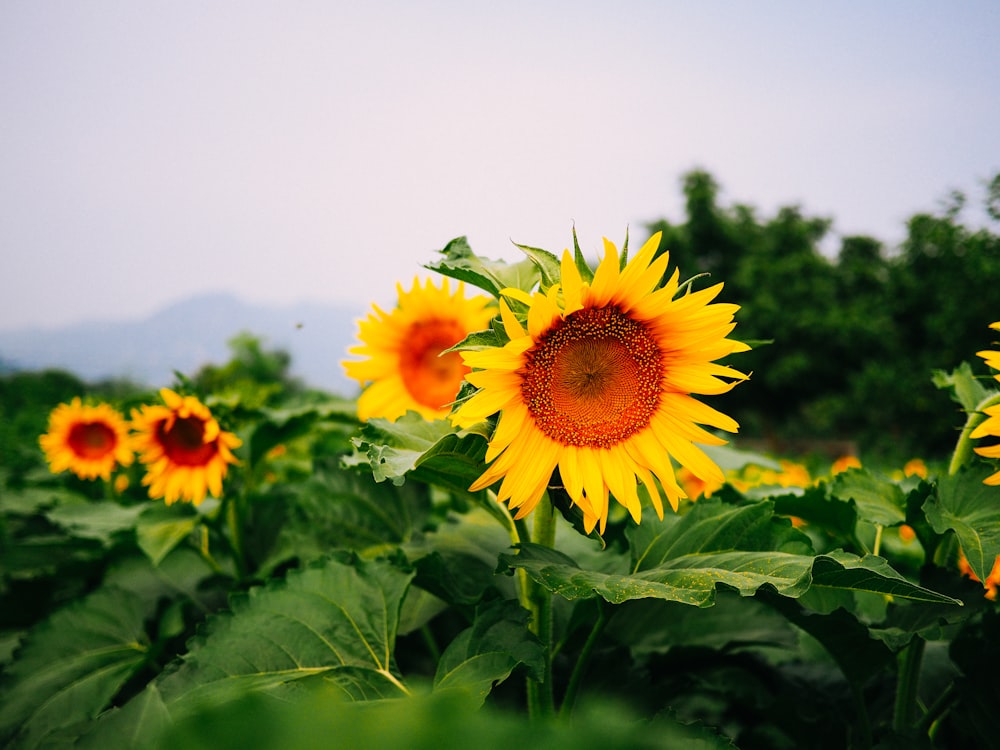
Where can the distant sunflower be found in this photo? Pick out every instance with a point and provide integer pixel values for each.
(186, 453)
(402, 349)
(600, 387)
(990, 427)
(90, 441)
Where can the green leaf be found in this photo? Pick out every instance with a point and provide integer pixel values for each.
(283, 425)
(336, 620)
(100, 520)
(487, 652)
(161, 528)
(827, 516)
(548, 265)
(490, 275)
(877, 500)
(965, 387)
(684, 558)
(971, 509)
(31, 500)
(586, 272)
(477, 341)
(433, 449)
(72, 665)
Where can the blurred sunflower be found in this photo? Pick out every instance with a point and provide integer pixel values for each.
(600, 387)
(990, 427)
(402, 349)
(90, 441)
(186, 452)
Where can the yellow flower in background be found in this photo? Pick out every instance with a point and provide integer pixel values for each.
(186, 452)
(992, 580)
(915, 467)
(90, 441)
(600, 386)
(990, 427)
(844, 463)
(402, 350)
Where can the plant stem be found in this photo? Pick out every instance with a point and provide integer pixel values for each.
(906, 684)
(938, 708)
(584, 659)
(541, 702)
(234, 520)
(878, 539)
(963, 448)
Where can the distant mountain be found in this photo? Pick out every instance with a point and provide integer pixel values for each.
(187, 335)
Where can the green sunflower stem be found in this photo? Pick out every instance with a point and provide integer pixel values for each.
(581, 663)
(541, 701)
(908, 676)
(963, 448)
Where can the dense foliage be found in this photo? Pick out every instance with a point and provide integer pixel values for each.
(856, 334)
(348, 589)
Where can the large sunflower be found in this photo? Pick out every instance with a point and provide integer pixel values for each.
(599, 386)
(90, 441)
(402, 350)
(186, 452)
(990, 427)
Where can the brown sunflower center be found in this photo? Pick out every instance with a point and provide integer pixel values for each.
(594, 379)
(432, 378)
(183, 442)
(91, 440)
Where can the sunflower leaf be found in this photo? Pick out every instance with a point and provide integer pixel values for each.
(72, 665)
(486, 653)
(100, 520)
(492, 276)
(971, 509)
(684, 558)
(336, 622)
(877, 500)
(965, 388)
(586, 272)
(548, 265)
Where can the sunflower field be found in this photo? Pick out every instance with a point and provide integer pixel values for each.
(535, 525)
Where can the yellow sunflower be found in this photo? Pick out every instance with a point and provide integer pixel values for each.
(90, 441)
(186, 452)
(599, 386)
(990, 427)
(402, 349)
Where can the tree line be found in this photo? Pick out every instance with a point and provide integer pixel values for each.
(853, 338)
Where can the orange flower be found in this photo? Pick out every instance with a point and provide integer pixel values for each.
(844, 463)
(186, 453)
(992, 580)
(90, 441)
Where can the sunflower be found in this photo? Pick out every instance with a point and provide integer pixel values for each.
(600, 385)
(402, 349)
(990, 427)
(90, 441)
(186, 452)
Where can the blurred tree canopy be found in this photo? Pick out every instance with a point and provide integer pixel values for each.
(855, 336)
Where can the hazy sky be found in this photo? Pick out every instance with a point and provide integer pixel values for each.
(320, 151)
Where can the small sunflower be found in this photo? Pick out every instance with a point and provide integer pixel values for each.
(990, 427)
(186, 452)
(600, 385)
(90, 441)
(402, 349)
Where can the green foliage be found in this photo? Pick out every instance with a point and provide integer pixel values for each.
(855, 335)
(348, 589)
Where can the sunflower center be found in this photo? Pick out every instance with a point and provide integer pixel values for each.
(184, 443)
(432, 378)
(593, 379)
(91, 440)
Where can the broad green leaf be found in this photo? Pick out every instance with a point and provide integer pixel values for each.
(431, 451)
(72, 665)
(684, 558)
(825, 516)
(966, 388)
(161, 528)
(30, 500)
(971, 509)
(728, 458)
(878, 500)
(490, 275)
(282, 425)
(477, 341)
(100, 520)
(339, 616)
(486, 653)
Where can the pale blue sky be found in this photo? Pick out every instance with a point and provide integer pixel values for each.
(320, 151)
